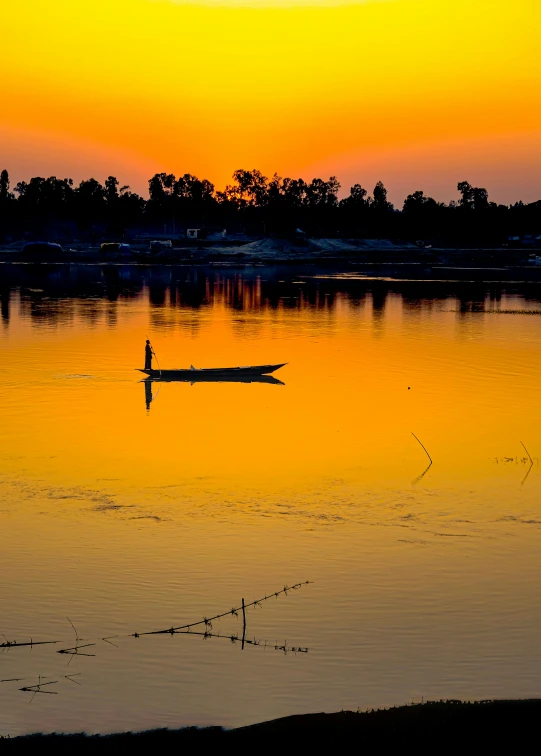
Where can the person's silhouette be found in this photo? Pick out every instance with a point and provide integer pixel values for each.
(148, 355)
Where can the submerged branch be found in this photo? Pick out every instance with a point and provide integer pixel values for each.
(527, 452)
(15, 644)
(207, 621)
(235, 638)
(423, 446)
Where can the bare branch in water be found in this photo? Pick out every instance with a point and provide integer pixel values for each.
(423, 446)
(207, 621)
(528, 453)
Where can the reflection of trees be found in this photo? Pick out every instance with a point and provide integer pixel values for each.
(113, 284)
(379, 300)
(5, 295)
(157, 293)
(91, 311)
(473, 298)
(42, 309)
(56, 294)
(112, 316)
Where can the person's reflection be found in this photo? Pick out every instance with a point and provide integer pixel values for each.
(148, 393)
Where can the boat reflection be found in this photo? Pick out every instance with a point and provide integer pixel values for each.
(149, 397)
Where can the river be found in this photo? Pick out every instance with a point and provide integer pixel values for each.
(127, 508)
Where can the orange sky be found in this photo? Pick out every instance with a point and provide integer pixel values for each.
(418, 93)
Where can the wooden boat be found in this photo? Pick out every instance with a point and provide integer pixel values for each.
(206, 374)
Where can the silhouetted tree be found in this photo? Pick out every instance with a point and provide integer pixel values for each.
(111, 190)
(160, 207)
(422, 216)
(380, 203)
(466, 190)
(49, 206)
(90, 204)
(480, 199)
(357, 197)
(381, 219)
(190, 189)
(321, 193)
(193, 199)
(126, 212)
(473, 198)
(5, 194)
(161, 186)
(252, 186)
(354, 211)
(6, 204)
(45, 204)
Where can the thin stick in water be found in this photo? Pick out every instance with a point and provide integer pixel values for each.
(423, 446)
(527, 452)
(243, 624)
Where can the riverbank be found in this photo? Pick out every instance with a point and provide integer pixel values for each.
(271, 251)
(438, 724)
(365, 258)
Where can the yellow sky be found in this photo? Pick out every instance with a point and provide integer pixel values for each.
(356, 89)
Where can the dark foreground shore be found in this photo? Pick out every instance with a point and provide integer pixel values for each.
(432, 725)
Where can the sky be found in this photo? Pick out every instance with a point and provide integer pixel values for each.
(420, 94)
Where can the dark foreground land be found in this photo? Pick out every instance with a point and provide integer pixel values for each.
(432, 725)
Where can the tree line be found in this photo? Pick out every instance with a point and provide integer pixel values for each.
(56, 208)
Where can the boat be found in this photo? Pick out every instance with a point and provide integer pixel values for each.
(212, 374)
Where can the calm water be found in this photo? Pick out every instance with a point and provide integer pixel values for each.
(127, 518)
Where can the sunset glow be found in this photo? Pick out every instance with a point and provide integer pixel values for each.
(419, 93)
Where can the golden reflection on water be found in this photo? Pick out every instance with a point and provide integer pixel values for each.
(129, 518)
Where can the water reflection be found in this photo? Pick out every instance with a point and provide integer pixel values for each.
(57, 293)
(148, 392)
(192, 380)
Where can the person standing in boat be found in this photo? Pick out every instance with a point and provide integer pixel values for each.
(148, 355)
